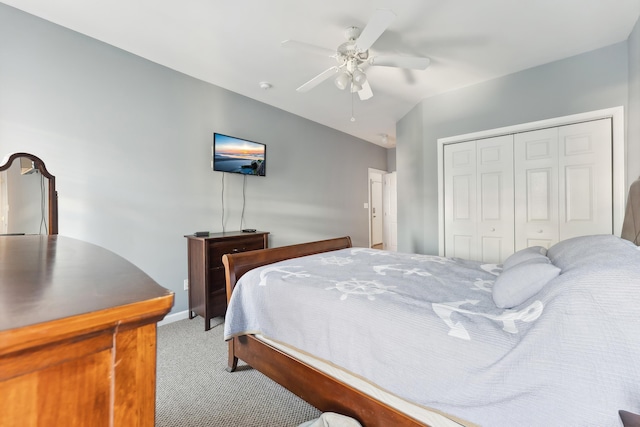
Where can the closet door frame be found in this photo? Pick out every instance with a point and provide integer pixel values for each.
(619, 169)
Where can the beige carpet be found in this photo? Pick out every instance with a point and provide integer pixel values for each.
(194, 390)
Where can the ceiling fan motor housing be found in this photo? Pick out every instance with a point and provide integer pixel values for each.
(347, 51)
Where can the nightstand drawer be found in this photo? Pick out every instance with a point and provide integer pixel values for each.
(216, 250)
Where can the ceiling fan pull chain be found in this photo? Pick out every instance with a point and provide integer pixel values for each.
(353, 119)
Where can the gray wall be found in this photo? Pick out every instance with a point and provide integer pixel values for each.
(391, 159)
(586, 82)
(633, 112)
(129, 142)
(410, 173)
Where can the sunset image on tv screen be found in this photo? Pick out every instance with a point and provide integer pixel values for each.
(237, 155)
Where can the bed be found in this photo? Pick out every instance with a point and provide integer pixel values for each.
(550, 337)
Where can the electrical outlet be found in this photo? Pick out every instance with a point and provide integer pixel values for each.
(186, 284)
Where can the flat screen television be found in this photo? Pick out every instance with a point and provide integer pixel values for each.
(236, 155)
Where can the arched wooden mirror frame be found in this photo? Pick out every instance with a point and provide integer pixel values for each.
(53, 194)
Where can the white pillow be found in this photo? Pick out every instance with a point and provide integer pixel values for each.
(520, 282)
(533, 252)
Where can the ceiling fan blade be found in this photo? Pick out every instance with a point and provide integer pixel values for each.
(366, 92)
(413, 62)
(379, 22)
(318, 79)
(293, 44)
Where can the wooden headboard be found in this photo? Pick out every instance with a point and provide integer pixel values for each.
(631, 223)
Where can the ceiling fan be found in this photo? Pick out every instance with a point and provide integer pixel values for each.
(353, 57)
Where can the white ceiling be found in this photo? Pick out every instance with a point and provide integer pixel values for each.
(235, 44)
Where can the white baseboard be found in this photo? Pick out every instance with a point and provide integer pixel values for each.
(174, 317)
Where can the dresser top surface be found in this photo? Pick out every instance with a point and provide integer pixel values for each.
(46, 278)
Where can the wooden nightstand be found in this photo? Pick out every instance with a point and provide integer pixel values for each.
(207, 291)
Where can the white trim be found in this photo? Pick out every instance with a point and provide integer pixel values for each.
(619, 153)
(181, 315)
(441, 145)
(375, 172)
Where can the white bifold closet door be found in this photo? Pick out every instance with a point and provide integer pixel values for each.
(536, 188)
(506, 193)
(479, 215)
(563, 184)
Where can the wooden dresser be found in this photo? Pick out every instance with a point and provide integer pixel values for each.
(207, 288)
(77, 335)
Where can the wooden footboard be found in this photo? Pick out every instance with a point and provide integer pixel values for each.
(319, 389)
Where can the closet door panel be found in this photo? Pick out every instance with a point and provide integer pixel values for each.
(460, 200)
(532, 188)
(495, 198)
(579, 194)
(536, 188)
(538, 191)
(462, 246)
(585, 179)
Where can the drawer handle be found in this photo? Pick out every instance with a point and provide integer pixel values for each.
(235, 251)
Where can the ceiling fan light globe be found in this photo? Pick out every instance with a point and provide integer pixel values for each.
(355, 87)
(342, 81)
(359, 77)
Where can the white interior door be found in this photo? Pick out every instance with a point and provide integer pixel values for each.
(390, 214)
(495, 198)
(376, 210)
(585, 179)
(460, 200)
(536, 188)
(479, 199)
(563, 183)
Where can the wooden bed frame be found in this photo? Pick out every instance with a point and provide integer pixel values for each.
(314, 386)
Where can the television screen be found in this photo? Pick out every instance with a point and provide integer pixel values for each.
(237, 155)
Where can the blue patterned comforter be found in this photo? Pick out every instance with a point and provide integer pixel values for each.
(426, 329)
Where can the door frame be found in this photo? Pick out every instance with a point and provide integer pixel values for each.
(618, 143)
(370, 172)
(390, 200)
